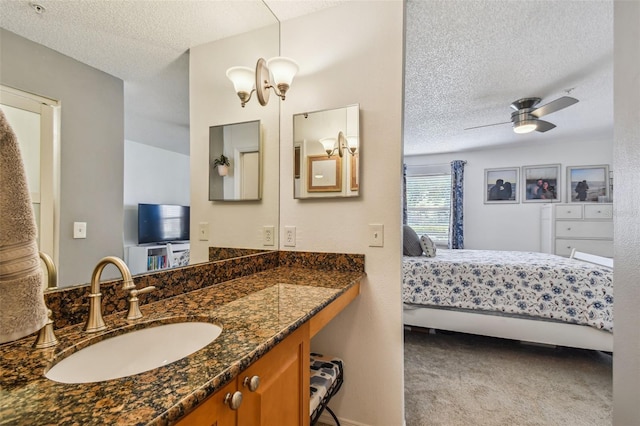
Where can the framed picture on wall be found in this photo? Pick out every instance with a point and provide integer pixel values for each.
(541, 184)
(588, 184)
(501, 185)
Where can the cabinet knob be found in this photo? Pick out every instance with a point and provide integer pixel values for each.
(568, 229)
(233, 401)
(252, 383)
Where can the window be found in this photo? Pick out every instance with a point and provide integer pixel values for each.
(429, 205)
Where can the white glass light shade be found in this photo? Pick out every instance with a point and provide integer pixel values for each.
(282, 70)
(525, 126)
(352, 143)
(328, 144)
(243, 78)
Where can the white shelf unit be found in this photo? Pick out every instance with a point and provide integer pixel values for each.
(154, 257)
(585, 227)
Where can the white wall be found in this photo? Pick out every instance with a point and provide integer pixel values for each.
(626, 351)
(514, 226)
(212, 102)
(353, 53)
(155, 176)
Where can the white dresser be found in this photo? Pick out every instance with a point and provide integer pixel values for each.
(585, 227)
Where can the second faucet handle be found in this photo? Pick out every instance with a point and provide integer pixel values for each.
(134, 305)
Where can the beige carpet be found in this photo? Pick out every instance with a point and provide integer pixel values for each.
(460, 379)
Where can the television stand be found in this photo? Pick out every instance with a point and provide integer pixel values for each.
(155, 257)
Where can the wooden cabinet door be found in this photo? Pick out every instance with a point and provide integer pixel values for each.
(213, 411)
(282, 398)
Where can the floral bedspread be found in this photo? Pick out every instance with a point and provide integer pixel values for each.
(526, 283)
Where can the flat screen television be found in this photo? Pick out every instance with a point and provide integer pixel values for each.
(161, 223)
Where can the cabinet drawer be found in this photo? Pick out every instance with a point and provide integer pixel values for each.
(569, 212)
(599, 247)
(584, 229)
(598, 211)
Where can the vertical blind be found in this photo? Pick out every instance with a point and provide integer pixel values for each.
(429, 204)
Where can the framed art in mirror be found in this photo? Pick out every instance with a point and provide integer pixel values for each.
(588, 184)
(355, 173)
(324, 173)
(326, 153)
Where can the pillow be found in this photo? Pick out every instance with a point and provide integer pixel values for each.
(411, 242)
(428, 246)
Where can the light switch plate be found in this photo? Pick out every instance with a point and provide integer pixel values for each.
(79, 230)
(376, 235)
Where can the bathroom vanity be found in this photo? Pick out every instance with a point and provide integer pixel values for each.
(267, 320)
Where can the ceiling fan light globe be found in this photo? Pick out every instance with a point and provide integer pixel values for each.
(526, 126)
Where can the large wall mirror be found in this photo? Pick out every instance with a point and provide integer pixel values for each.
(95, 147)
(326, 153)
(234, 162)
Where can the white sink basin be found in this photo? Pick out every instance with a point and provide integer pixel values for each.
(134, 352)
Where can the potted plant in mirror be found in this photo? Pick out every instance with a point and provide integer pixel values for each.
(222, 163)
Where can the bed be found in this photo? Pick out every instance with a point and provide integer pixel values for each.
(528, 296)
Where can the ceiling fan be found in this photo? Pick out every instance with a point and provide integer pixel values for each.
(526, 117)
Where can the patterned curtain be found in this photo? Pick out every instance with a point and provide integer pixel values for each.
(404, 194)
(456, 220)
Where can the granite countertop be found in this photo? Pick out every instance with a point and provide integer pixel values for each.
(256, 312)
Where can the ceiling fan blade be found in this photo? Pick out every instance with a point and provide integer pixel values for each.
(487, 125)
(544, 126)
(554, 106)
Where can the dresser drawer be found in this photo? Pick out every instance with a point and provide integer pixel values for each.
(584, 229)
(599, 247)
(569, 212)
(598, 211)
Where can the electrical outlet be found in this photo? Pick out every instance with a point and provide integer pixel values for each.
(268, 235)
(376, 235)
(203, 231)
(290, 236)
(79, 230)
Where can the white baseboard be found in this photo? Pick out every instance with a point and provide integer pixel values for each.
(327, 419)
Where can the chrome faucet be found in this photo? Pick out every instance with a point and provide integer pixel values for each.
(46, 336)
(95, 321)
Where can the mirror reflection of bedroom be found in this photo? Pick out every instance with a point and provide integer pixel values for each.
(508, 231)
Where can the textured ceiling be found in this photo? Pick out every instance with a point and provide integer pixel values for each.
(145, 43)
(466, 61)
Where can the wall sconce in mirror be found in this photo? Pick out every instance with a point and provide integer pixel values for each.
(276, 73)
(234, 159)
(321, 140)
(342, 144)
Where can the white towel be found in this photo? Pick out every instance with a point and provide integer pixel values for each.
(22, 307)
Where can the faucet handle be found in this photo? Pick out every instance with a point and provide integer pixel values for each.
(134, 305)
(46, 335)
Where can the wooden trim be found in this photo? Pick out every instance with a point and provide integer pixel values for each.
(322, 318)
